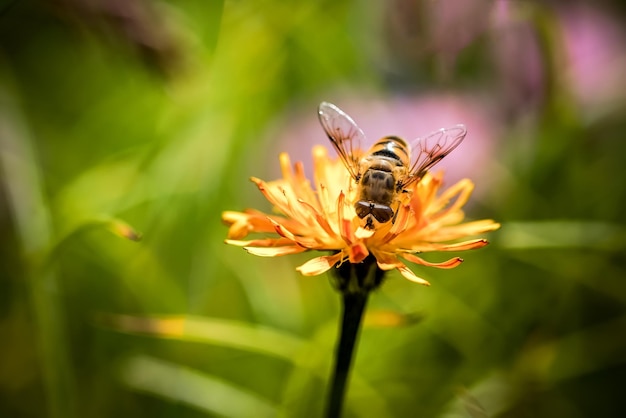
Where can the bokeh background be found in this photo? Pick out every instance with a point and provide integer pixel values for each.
(127, 118)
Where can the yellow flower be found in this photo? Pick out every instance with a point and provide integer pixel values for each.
(321, 217)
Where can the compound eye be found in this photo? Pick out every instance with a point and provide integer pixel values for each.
(382, 213)
(362, 208)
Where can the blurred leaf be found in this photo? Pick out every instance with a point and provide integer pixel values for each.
(121, 229)
(22, 179)
(311, 359)
(585, 351)
(182, 384)
(115, 226)
(471, 404)
(223, 332)
(561, 234)
(390, 319)
(486, 398)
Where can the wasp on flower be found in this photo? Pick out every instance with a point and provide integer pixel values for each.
(383, 202)
(386, 171)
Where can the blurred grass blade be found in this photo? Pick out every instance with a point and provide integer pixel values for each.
(25, 195)
(471, 404)
(390, 319)
(568, 357)
(113, 225)
(121, 229)
(560, 234)
(562, 359)
(222, 332)
(190, 387)
(310, 360)
(488, 397)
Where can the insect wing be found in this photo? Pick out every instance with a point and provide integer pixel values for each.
(343, 133)
(429, 150)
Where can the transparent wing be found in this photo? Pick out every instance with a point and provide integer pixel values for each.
(429, 150)
(343, 133)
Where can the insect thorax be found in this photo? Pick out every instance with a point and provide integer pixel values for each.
(377, 186)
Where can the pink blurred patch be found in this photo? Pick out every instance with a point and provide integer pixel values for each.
(595, 47)
(517, 58)
(408, 117)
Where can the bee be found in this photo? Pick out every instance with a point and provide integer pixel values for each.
(384, 173)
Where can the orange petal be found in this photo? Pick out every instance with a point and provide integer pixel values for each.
(408, 274)
(387, 261)
(345, 224)
(239, 230)
(302, 186)
(285, 166)
(471, 228)
(320, 265)
(321, 220)
(460, 192)
(438, 232)
(282, 231)
(425, 191)
(362, 233)
(449, 264)
(274, 251)
(400, 225)
(357, 253)
(274, 192)
(330, 175)
(308, 242)
(230, 216)
(241, 224)
(460, 246)
(267, 242)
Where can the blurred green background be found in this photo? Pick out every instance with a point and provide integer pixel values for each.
(148, 117)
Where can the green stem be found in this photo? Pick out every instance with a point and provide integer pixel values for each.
(354, 282)
(353, 308)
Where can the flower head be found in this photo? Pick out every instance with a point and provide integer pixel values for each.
(320, 215)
